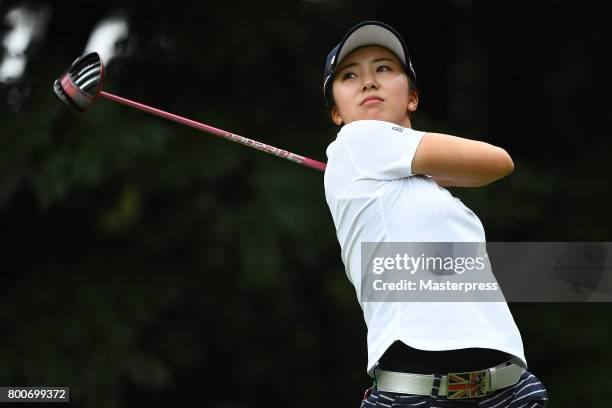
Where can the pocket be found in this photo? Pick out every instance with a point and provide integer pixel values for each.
(410, 405)
(383, 399)
(411, 401)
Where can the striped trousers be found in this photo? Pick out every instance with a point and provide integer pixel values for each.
(528, 392)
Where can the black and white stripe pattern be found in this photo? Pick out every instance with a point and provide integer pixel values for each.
(528, 392)
(86, 73)
(82, 83)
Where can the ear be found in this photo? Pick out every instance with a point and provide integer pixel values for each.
(335, 116)
(413, 101)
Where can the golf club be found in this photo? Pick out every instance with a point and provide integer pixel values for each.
(81, 85)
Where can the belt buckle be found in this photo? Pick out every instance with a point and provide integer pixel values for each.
(468, 385)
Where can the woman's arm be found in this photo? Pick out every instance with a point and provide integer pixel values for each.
(459, 162)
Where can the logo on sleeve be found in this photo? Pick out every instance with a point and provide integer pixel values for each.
(398, 128)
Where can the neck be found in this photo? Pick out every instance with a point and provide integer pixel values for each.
(406, 122)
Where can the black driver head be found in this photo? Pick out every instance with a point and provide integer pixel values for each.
(81, 84)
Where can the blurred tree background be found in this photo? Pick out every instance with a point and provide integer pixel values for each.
(145, 263)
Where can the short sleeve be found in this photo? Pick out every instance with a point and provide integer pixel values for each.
(380, 150)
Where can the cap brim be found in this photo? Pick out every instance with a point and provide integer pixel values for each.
(371, 34)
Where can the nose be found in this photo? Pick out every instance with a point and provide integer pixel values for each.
(369, 82)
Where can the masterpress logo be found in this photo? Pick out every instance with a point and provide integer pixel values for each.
(426, 266)
(431, 271)
(478, 271)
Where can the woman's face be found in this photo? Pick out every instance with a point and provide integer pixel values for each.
(371, 83)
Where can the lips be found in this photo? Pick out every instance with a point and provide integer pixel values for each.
(371, 98)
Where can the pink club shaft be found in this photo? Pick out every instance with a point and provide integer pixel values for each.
(218, 132)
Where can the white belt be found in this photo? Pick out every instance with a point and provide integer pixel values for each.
(462, 385)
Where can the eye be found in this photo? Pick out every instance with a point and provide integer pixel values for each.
(383, 68)
(347, 75)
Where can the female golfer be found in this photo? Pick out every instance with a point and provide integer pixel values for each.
(384, 183)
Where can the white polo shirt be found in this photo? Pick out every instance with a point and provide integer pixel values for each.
(374, 197)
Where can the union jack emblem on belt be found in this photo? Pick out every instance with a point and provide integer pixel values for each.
(468, 385)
